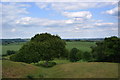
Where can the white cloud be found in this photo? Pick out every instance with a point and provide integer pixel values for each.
(73, 5)
(113, 11)
(16, 20)
(78, 15)
(13, 30)
(104, 24)
(11, 12)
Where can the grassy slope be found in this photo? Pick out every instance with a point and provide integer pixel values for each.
(18, 69)
(67, 70)
(83, 46)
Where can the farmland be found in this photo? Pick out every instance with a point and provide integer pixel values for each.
(83, 46)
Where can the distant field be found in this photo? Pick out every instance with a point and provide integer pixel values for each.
(15, 47)
(83, 46)
(65, 70)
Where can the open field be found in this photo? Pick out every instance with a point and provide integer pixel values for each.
(65, 70)
(14, 47)
(83, 46)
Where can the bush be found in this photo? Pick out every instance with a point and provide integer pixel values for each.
(9, 52)
(87, 56)
(30, 77)
(46, 64)
(73, 55)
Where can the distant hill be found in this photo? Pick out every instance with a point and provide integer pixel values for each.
(85, 39)
(8, 41)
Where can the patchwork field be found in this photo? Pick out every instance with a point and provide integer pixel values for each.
(64, 70)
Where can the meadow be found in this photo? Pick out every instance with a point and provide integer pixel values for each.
(83, 46)
(64, 69)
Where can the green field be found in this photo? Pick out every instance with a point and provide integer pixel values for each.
(15, 47)
(83, 46)
(64, 70)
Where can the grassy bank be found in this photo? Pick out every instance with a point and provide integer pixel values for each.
(65, 70)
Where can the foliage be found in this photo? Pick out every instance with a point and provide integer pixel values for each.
(86, 56)
(46, 64)
(41, 47)
(108, 50)
(9, 52)
(72, 55)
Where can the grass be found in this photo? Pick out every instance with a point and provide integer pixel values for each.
(13, 46)
(83, 46)
(18, 69)
(64, 70)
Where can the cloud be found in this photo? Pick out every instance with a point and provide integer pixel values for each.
(11, 12)
(104, 24)
(13, 30)
(77, 23)
(78, 15)
(113, 11)
(62, 6)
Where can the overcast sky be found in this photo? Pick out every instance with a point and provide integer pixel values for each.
(68, 20)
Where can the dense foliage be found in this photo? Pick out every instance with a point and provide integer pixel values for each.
(73, 55)
(41, 47)
(108, 50)
(76, 55)
(9, 52)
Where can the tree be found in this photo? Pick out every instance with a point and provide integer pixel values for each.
(73, 55)
(41, 47)
(9, 52)
(108, 50)
(86, 56)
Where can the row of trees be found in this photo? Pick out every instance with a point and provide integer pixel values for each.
(107, 50)
(104, 51)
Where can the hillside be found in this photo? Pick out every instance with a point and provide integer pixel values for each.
(18, 69)
(67, 70)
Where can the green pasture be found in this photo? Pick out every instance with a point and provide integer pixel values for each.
(83, 46)
(14, 46)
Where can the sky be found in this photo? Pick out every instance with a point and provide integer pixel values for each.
(66, 19)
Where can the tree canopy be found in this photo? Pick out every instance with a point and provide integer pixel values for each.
(108, 50)
(41, 47)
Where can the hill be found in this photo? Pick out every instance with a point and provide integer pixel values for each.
(67, 70)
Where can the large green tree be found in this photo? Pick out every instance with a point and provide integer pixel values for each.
(107, 50)
(41, 47)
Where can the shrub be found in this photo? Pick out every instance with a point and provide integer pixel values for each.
(86, 56)
(9, 52)
(73, 55)
(46, 64)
